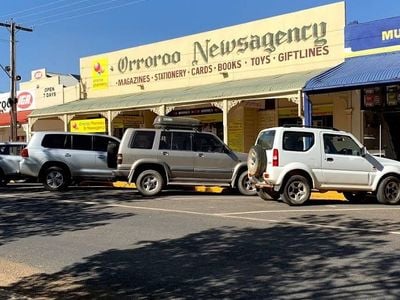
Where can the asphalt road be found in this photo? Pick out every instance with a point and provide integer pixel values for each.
(105, 243)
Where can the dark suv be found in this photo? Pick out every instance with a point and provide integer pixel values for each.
(176, 153)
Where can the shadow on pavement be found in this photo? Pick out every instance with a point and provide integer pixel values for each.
(284, 261)
(21, 217)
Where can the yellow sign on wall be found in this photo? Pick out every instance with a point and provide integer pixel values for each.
(90, 125)
(100, 73)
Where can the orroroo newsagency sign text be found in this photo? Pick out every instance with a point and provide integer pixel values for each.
(208, 49)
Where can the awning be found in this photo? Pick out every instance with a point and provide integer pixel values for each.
(357, 72)
(22, 117)
(270, 86)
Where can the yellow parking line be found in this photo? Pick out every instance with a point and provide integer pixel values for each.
(218, 190)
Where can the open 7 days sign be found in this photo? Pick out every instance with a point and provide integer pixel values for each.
(25, 101)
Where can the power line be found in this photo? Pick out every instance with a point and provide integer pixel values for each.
(86, 14)
(29, 9)
(52, 9)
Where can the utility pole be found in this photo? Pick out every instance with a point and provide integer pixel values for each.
(13, 100)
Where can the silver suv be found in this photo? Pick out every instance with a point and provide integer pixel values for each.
(289, 162)
(177, 153)
(59, 158)
(9, 161)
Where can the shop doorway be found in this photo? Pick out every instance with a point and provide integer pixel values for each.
(380, 135)
(392, 121)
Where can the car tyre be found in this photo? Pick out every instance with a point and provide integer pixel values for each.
(268, 195)
(55, 179)
(355, 197)
(3, 180)
(256, 161)
(296, 191)
(244, 185)
(149, 183)
(389, 190)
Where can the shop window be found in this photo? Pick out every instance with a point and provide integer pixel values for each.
(372, 97)
(270, 104)
(289, 121)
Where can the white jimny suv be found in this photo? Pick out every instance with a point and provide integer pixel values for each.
(291, 161)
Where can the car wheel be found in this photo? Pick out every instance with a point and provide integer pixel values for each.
(149, 183)
(268, 195)
(244, 185)
(55, 179)
(297, 190)
(389, 191)
(355, 197)
(3, 180)
(256, 161)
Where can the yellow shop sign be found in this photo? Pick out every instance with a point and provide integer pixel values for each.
(90, 125)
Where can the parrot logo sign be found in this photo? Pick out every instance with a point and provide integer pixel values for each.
(100, 74)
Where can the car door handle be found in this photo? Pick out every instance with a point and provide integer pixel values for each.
(165, 153)
(101, 156)
(329, 159)
(200, 155)
(67, 155)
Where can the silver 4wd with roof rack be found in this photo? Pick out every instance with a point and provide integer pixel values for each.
(176, 153)
(289, 162)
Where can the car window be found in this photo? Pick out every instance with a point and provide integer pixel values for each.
(100, 143)
(266, 139)
(207, 143)
(297, 141)
(57, 141)
(181, 141)
(4, 150)
(165, 140)
(340, 144)
(142, 140)
(14, 149)
(82, 142)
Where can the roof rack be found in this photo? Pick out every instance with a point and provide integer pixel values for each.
(309, 126)
(165, 122)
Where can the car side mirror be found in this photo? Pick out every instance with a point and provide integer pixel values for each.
(363, 151)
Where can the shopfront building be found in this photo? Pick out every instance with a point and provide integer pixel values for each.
(44, 89)
(369, 84)
(236, 80)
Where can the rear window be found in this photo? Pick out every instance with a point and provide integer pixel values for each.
(266, 139)
(11, 149)
(100, 143)
(297, 141)
(142, 140)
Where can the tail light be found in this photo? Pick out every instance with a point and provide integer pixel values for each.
(275, 158)
(119, 158)
(24, 152)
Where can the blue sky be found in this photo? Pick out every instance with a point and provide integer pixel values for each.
(66, 30)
